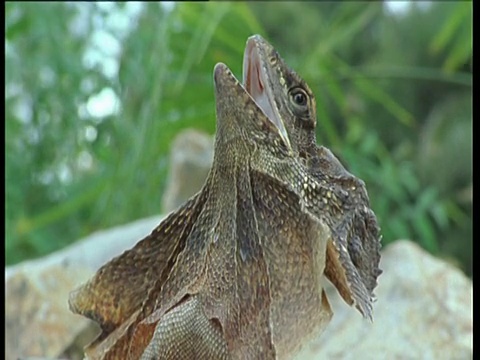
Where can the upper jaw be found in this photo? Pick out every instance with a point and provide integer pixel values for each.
(258, 85)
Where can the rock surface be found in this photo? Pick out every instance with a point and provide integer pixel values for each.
(37, 319)
(191, 157)
(424, 311)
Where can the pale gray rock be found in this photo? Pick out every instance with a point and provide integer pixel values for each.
(424, 311)
(94, 250)
(38, 322)
(191, 157)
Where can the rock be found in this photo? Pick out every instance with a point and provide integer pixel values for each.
(424, 311)
(37, 319)
(38, 322)
(191, 157)
(94, 250)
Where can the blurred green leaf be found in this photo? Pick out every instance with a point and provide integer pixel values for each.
(459, 23)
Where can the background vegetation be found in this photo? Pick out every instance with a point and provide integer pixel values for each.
(393, 93)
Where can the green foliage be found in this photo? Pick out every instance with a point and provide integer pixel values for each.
(393, 96)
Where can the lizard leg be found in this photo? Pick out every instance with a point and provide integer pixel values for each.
(186, 333)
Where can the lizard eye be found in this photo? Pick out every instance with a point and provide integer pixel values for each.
(299, 99)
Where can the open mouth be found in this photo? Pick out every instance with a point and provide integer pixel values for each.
(256, 84)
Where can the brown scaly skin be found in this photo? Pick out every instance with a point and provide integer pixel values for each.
(235, 273)
(353, 251)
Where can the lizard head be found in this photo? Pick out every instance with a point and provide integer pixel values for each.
(282, 95)
(276, 98)
(239, 117)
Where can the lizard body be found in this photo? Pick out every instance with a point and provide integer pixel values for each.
(353, 251)
(235, 273)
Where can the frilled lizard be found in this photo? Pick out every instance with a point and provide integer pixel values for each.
(235, 273)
